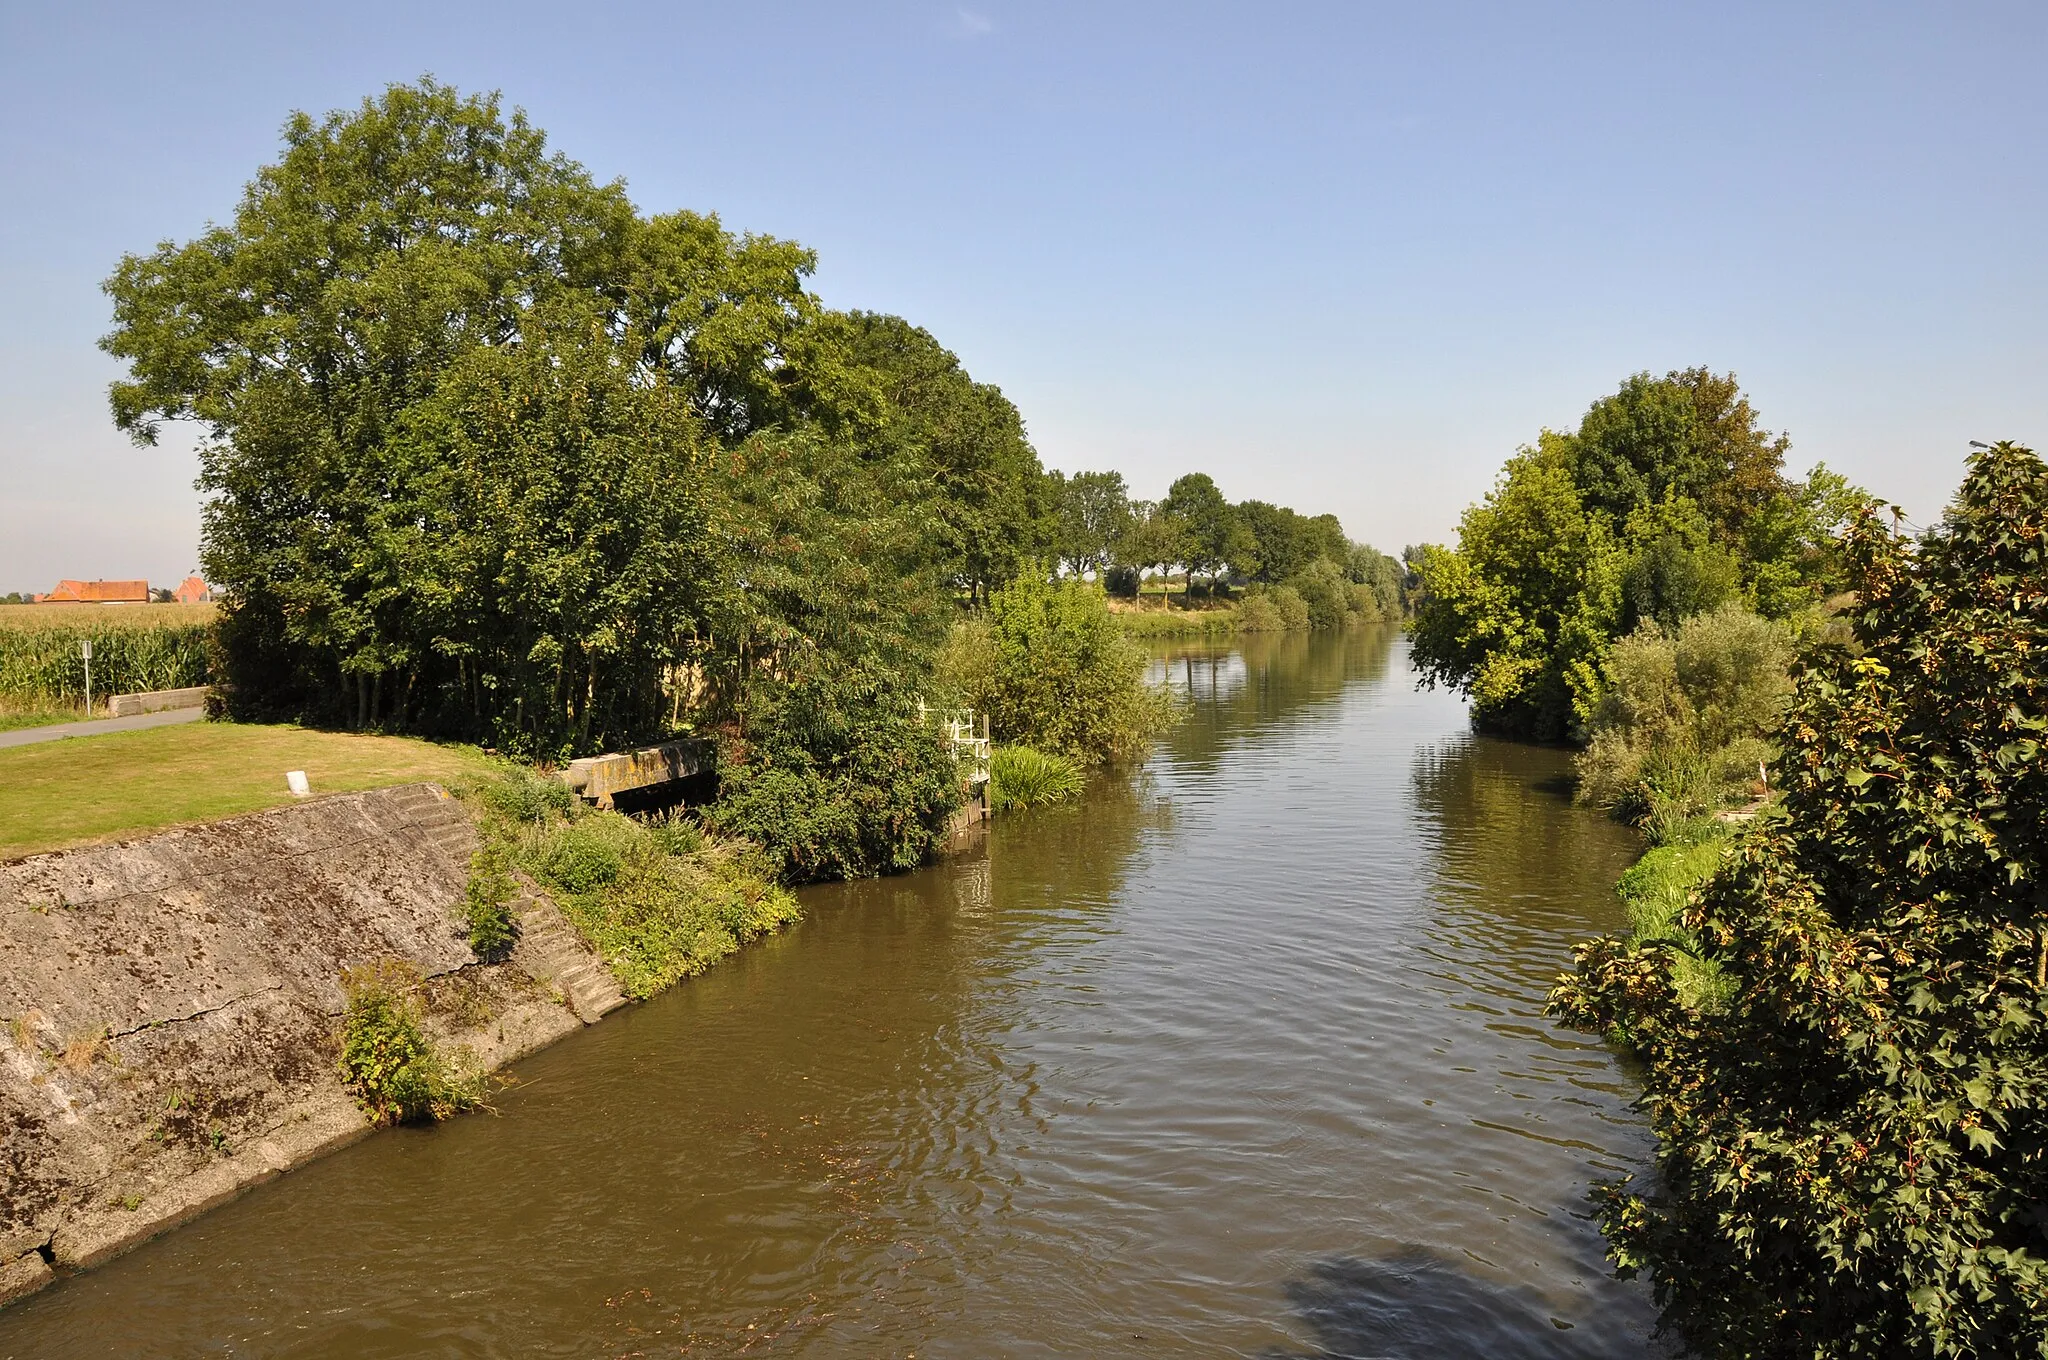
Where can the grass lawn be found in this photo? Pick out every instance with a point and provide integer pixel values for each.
(86, 789)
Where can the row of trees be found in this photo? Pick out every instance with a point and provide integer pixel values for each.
(1839, 1013)
(1101, 531)
(492, 455)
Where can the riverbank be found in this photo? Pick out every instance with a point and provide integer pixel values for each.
(173, 1005)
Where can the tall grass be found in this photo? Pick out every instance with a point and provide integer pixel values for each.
(40, 665)
(1020, 777)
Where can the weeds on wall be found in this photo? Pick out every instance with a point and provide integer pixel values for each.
(387, 1059)
(487, 901)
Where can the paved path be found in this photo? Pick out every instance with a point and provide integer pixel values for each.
(26, 736)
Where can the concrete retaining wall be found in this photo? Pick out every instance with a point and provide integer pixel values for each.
(156, 701)
(169, 1007)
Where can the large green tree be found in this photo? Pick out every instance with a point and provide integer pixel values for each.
(1680, 489)
(410, 281)
(1094, 511)
(897, 388)
(1519, 615)
(1203, 521)
(1853, 1147)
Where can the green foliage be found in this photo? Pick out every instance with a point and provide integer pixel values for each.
(1151, 539)
(1679, 727)
(1656, 890)
(1852, 1158)
(1052, 669)
(1519, 614)
(1203, 523)
(487, 901)
(1689, 435)
(880, 808)
(387, 1060)
(828, 765)
(1094, 511)
(957, 446)
(656, 913)
(1324, 592)
(1666, 502)
(40, 663)
(1020, 777)
(519, 794)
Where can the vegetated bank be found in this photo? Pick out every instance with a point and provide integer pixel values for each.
(1834, 738)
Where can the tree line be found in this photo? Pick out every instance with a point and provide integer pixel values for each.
(492, 455)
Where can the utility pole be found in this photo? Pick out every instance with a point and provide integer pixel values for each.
(85, 651)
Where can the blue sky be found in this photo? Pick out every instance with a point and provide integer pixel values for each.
(1344, 257)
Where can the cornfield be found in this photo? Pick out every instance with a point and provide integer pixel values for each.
(40, 666)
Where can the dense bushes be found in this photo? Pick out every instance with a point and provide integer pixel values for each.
(1679, 727)
(659, 901)
(1052, 670)
(658, 904)
(1851, 1146)
(1668, 501)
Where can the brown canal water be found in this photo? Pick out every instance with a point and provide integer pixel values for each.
(1242, 1056)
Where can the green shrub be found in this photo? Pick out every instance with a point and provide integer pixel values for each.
(1293, 610)
(1258, 614)
(387, 1060)
(658, 916)
(1020, 777)
(520, 794)
(1850, 1151)
(582, 856)
(487, 901)
(1052, 670)
(1677, 730)
(1324, 592)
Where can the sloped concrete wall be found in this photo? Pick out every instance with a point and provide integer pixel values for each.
(169, 1007)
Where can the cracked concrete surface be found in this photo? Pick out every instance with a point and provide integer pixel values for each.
(169, 1007)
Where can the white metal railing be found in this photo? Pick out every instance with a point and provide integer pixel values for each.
(966, 734)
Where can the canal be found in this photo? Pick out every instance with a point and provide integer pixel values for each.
(1243, 1055)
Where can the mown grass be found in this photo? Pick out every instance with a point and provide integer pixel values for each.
(87, 789)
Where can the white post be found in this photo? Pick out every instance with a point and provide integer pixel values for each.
(85, 651)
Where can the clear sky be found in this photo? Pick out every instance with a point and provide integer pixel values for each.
(1341, 256)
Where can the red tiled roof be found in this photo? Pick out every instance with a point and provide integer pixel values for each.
(97, 592)
(192, 591)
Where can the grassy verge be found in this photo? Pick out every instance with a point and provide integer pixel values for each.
(1655, 889)
(660, 901)
(14, 719)
(87, 789)
(1175, 622)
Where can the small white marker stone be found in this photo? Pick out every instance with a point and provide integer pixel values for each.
(296, 780)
